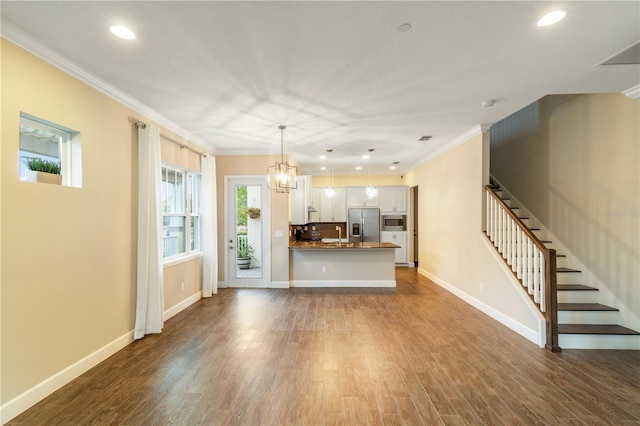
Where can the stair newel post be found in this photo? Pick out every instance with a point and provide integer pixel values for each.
(551, 299)
(514, 245)
(499, 245)
(487, 212)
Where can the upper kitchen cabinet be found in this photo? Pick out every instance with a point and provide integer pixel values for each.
(394, 199)
(300, 201)
(316, 195)
(333, 209)
(357, 197)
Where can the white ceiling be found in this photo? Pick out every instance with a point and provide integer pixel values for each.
(339, 75)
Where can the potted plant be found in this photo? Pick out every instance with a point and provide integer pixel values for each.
(253, 212)
(43, 171)
(244, 256)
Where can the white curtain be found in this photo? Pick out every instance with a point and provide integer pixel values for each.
(209, 205)
(149, 303)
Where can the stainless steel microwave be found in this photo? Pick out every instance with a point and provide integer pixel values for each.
(394, 222)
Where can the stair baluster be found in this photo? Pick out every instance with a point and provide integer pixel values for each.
(532, 263)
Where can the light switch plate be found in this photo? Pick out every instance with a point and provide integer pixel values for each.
(278, 234)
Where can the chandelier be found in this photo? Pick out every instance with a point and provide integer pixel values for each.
(282, 176)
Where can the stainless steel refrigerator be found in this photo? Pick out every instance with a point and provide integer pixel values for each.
(364, 225)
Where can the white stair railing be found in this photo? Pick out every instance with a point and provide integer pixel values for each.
(532, 264)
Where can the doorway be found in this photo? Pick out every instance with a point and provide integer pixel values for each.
(413, 197)
(247, 224)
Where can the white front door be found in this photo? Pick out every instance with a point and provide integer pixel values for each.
(247, 233)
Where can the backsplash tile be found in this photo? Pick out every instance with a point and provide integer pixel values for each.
(322, 230)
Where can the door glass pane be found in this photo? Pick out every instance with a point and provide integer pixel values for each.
(248, 232)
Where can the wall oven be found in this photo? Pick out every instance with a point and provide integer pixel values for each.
(395, 222)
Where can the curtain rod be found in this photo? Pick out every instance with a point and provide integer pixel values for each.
(173, 141)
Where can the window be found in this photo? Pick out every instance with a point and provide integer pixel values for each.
(181, 212)
(52, 142)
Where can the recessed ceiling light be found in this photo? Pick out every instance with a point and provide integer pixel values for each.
(392, 167)
(322, 157)
(403, 28)
(122, 32)
(366, 156)
(323, 168)
(358, 168)
(551, 18)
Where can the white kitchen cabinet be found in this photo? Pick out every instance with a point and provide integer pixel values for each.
(333, 209)
(316, 197)
(394, 199)
(300, 198)
(357, 197)
(399, 238)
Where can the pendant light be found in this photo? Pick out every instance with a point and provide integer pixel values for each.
(329, 190)
(372, 191)
(282, 176)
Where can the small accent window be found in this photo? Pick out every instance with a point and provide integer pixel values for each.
(49, 147)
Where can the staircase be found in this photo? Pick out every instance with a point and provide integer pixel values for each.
(582, 322)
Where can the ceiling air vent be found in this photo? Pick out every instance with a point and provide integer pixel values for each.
(425, 138)
(630, 55)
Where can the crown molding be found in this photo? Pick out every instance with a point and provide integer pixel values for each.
(15, 35)
(474, 131)
(632, 92)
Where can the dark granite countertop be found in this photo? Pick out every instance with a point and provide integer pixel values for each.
(318, 245)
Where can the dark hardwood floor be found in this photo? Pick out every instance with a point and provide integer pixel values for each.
(410, 355)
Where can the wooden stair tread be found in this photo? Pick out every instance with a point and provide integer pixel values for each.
(523, 218)
(546, 241)
(585, 307)
(567, 270)
(595, 329)
(575, 287)
(534, 229)
(561, 255)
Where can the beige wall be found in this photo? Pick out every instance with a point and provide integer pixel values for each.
(574, 162)
(341, 181)
(450, 239)
(187, 273)
(68, 254)
(174, 154)
(255, 165)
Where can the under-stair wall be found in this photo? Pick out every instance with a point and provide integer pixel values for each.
(573, 161)
(582, 297)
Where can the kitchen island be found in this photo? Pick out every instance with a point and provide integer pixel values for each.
(318, 264)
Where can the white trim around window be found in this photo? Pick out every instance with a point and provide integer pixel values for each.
(181, 229)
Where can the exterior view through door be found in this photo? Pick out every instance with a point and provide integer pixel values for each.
(247, 231)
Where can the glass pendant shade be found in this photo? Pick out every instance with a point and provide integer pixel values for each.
(282, 176)
(329, 190)
(372, 191)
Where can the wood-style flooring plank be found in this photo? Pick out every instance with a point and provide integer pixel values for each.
(411, 355)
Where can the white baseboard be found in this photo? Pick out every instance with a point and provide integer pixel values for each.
(343, 283)
(174, 310)
(32, 396)
(279, 284)
(521, 329)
